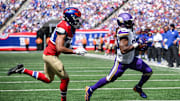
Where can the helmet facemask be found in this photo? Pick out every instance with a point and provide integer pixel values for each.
(128, 23)
(125, 20)
(76, 22)
(73, 17)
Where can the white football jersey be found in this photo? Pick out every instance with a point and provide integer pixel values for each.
(128, 57)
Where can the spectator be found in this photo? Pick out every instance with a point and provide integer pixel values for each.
(106, 41)
(39, 43)
(95, 43)
(157, 41)
(164, 51)
(101, 42)
(84, 42)
(171, 42)
(150, 47)
(112, 43)
(27, 43)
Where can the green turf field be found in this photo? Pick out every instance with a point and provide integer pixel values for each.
(163, 85)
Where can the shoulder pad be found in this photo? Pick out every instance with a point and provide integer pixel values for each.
(122, 32)
(60, 30)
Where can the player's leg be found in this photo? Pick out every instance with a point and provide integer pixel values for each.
(140, 65)
(106, 49)
(116, 71)
(58, 69)
(113, 49)
(64, 84)
(35, 74)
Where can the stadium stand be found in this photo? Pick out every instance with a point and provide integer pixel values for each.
(149, 13)
(8, 8)
(41, 11)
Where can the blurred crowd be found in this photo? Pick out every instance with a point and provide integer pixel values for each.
(8, 9)
(147, 13)
(35, 15)
(94, 11)
(151, 14)
(39, 12)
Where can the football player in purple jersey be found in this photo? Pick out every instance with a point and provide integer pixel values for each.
(125, 58)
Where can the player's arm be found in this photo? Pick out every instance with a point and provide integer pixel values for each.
(60, 45)
(124, 47)
(177, 38)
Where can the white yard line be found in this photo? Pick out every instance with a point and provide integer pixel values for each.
(79, 81)
(24, 76)
(153, 88)
(94, 70)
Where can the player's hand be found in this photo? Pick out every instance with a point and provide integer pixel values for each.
(135, 45)
(142, 45)
(140, 42)
(80, 51)
(174, 42)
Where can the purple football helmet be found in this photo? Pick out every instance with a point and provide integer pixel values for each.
(125, 19)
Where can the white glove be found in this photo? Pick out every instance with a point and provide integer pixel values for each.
(135, 45)
(80, 51)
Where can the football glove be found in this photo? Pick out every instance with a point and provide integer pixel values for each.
(80, 51)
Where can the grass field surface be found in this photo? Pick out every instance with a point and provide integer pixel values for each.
(163, 85)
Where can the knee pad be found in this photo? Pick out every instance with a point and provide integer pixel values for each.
(108, 79)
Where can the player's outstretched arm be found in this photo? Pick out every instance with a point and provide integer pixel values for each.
(124, 47)
(61, 48)
(60, 45)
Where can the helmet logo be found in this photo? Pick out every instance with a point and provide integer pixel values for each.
(78, 14)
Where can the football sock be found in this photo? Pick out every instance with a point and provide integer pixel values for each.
(63, 88)
(37, 75)
(108, 51)
(99, 84)
(144, 78)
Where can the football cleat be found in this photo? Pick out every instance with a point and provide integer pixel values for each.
(88, 94)
(139, 90)
(18, 69)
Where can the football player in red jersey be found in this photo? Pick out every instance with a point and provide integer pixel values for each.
(60, 38)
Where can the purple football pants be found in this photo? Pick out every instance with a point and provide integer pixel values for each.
(118, 69)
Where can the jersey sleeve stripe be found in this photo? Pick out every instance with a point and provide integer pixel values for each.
(60, 30)
(125, 34)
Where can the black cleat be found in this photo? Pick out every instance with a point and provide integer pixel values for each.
(18, 69)
(139, 90)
